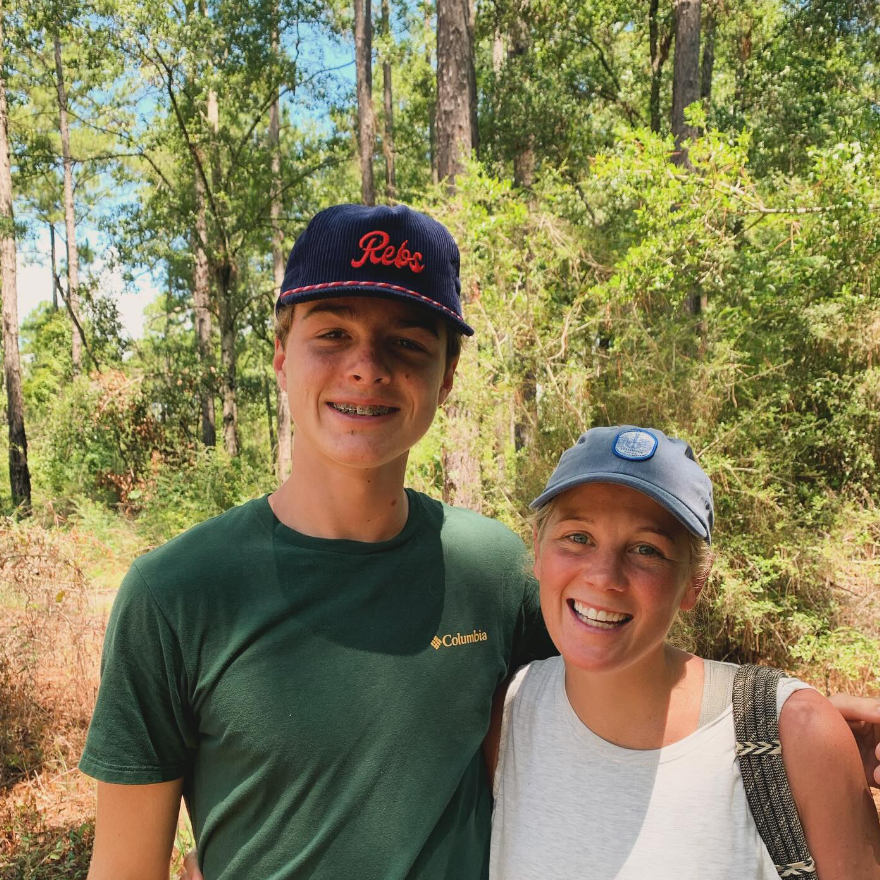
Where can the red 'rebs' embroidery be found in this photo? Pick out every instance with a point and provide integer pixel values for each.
(378, 251)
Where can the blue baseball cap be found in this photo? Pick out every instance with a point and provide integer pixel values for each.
(355, 250)
(645, 459)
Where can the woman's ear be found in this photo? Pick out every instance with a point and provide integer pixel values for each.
(695, 587)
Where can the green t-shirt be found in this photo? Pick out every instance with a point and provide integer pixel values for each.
(325, 700)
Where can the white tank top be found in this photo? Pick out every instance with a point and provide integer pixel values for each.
(570, 805)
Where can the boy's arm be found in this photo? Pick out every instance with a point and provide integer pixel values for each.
(825, 774)
(134, 831)
(492, 741)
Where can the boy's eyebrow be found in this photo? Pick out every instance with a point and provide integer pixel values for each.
(324, 305)
(344, 311)
(420, 324)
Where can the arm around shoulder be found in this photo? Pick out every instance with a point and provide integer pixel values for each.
(134, 831)
(824, 771)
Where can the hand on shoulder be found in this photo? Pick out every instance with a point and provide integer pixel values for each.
(863, 716)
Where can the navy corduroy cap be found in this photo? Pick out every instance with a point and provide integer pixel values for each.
(355, 250)
(645, 459)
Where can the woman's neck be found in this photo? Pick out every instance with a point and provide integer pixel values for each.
(650, 704)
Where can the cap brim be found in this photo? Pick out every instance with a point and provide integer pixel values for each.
(366, 288)
(682, 513)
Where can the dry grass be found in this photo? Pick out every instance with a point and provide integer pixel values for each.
(54, 602)
(50, 641)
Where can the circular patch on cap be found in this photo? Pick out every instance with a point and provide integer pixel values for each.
(635, 445)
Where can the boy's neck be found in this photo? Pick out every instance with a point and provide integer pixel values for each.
(326, 501)
(651, 704)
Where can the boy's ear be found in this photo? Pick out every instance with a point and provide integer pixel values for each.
(446, 385)
(278, 364)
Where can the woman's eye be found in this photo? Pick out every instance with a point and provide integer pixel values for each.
(331, 334)
(647, 550)
(578, 538)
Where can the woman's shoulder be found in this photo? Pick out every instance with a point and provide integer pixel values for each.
(809, 721)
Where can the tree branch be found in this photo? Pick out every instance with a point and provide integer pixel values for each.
(193, 150)
(76, 322)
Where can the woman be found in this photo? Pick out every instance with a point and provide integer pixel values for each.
(617, 759)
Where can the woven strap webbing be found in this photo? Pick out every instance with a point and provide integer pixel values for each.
(759, 754)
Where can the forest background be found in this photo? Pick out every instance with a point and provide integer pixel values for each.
(669, 215)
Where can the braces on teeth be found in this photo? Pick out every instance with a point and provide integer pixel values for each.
(362, 410)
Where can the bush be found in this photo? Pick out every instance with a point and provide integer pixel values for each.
(101, 441)
(180, 495)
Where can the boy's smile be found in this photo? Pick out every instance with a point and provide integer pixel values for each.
(364, 376)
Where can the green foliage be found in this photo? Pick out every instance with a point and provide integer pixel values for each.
(196, 489)
(586, 320)
(102, 440)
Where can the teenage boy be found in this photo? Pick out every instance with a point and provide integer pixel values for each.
(313, 671)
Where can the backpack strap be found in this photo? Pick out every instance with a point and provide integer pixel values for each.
(759, 753)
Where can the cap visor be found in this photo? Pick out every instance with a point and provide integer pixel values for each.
(366, 288)
(682, 513)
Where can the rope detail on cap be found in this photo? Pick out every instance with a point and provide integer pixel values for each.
(369, 285)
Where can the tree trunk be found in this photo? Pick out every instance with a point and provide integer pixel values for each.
(282, 405)
(707, 66)
(212, 112)
(19, 474)
(52, 267)
(520, 45)
(743, 55)
(202, 315)
(685, 73)
(462, 485)
(455, 140)
(686, 91)
(388, 135)
(432, 108)
(363, 48)
(69, 214)
(201, 286)
(497, 51)
(472, 76)
(659, 54)
(225, 285)
(270, 418)
(455, 78)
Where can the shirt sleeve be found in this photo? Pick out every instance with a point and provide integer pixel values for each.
(530, 639)
(786, 687)
(142, 730)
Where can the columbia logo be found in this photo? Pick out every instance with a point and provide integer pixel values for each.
(453, 641)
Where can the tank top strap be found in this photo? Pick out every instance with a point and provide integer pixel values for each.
(717, 690)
